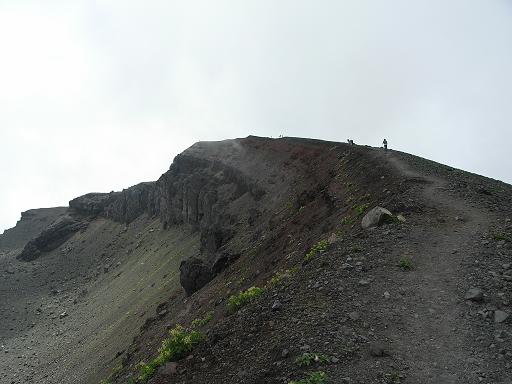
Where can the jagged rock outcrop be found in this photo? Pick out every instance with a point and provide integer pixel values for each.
(52, 237)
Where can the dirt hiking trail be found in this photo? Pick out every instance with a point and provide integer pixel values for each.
(438, 321)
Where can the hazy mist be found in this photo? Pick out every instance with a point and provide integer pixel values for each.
(97, 96)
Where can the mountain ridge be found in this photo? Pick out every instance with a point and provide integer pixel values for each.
(252, 210)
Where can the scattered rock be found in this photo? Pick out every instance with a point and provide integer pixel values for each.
(162, 313)
(500, 316)
(63, 315)
(474, 294)
(169, 369)
(377, 350)
(376, 217)
(276, 306)
(401, 218)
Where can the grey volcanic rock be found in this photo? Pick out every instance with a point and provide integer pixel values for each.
(194, 274)
(474, 294)
(376, 217)
(124, 206)
(500, 316)
(52, 237)
(32, 222)
(90, 204)
(196, 191)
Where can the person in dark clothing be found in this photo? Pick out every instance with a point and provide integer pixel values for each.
(385, 144)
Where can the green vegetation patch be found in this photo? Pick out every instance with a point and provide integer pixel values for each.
(306, 359)
(347, 220)
(313, 378)
(501, 236)
(180, 342)
(393, 377)
(319, 247)
(278, 277)
(201, 322)
(405, 263)
(235, 302)
(360, 209)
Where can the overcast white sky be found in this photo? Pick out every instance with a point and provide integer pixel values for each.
(101, 95)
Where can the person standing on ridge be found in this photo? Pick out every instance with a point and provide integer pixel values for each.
(385, 144)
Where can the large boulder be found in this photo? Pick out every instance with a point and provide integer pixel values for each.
(194, 274)
(376, 217)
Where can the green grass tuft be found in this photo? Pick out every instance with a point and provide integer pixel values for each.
(200, 322)
(278, 277)
(306, 359)
(236, 302)
(360, 209)
(501, 236)
(405, 263)
(347, 220)
(393, 377)
(313, 378)
(319, 247)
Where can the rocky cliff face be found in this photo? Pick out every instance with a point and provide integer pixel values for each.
(197, 191)
(32, 222)
(123, 207)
